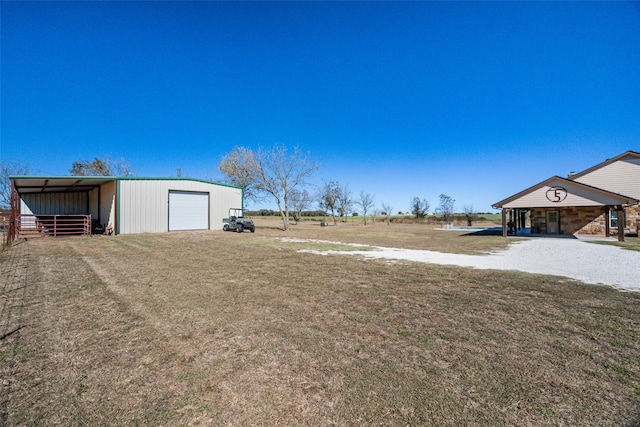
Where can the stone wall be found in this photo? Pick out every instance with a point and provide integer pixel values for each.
(583, 220)
(633, 219)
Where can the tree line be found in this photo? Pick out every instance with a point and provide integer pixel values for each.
(282, 176)
(277, 174)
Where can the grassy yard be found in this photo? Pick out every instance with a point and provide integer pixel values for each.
(630, 243)
(213, 328)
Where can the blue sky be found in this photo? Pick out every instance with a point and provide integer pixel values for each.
(476, 100)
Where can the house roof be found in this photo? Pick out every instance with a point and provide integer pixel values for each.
(69, 184)
(557, 191)
(605, 163)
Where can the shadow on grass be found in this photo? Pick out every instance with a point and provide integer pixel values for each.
(496, 231)
(486, 232)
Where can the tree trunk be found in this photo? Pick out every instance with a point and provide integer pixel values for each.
(285, 217)
(286, 213)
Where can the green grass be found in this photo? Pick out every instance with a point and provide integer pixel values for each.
(630, 243)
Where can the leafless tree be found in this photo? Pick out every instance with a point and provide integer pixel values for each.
(344, 202)
(96, 167)
(274, 172)
(120, 166)
(367, 203)
(419, 207)
(240, 166)
(99, 167)
(332, 198)
(446, 207)
(470, 214)
(300, 201)
(8, 169)
(387, 208)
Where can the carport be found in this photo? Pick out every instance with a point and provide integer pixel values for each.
(61, 206)
(560, 206)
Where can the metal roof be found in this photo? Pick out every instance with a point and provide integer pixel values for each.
(69, 184)
(66, 184)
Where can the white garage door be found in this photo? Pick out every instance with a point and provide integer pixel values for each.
(188, 211)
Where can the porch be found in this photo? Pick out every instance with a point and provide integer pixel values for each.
(559, 206)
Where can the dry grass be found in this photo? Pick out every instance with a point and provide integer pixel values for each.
(409, 236)
(217, 328)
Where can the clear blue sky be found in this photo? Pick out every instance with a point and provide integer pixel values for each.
(477, 100)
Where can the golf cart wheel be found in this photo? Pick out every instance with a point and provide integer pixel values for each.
(225, 227)
(253, 229)
(239, 228)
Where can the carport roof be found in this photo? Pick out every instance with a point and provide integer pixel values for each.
(67, 184)
(576, 193)
(58, 184)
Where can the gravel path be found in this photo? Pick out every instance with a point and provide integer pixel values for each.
(574, 258)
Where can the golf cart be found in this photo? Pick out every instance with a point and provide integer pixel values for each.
(236, 222)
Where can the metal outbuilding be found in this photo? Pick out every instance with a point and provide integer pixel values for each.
(72, 205)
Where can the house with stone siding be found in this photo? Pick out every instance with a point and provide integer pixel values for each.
(602, 200)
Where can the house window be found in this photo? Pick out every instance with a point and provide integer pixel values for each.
(613, 219)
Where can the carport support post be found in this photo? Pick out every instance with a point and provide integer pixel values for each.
(621, 221)
(504, 222)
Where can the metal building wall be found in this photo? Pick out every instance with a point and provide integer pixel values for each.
(54, 203)
(108, 203)
(143, 204)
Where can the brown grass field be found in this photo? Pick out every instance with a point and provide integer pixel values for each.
(228, 329)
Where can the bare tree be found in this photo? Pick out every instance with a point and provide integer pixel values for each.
(367, 203)
(330, 198)
(93, 168)
(300, 201)
(274, 172)
(419, 207)
(120, 166)
(387, 208)
(8, 169)
(344, 202)
(324, 207)
(446, 207)
(470, 214)
(240, 165)
(99, 167)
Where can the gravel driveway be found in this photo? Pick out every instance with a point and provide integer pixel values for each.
(574, 258)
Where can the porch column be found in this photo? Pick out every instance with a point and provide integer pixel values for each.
(621, 223)
(504, 222)
(607, 229)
